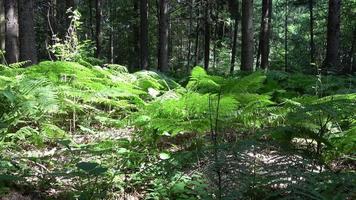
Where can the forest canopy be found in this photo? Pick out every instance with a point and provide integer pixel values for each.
(177, 99)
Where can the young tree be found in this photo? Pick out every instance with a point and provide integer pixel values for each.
(144, 34)
(333, 35)
(98, 27)
(12, 31)
(26, 32)
(163, 36)
(263, 47)
(247, 36)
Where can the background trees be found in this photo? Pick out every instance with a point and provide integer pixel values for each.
(186, 33)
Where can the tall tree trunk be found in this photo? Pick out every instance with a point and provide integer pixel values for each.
(333, 35)
(191, 2)
(207, 35)
(27, 32)
(263, 47)
(90, 7)
(235, 13)
(234, 46)
(12, 31)
(286, 13)
(144, 34)
(163, 36)
(247, 36)
(2, 26)
(98, 27)
(311, 30)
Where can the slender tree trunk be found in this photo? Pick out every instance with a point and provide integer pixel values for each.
(12, 31)
(352, 54)
(189, 35)
(196, 50)
(90, 4)
(312, 45)
(234, 46)
(144, 34)
(207, 35)
(247, 36)
(2, 26)
(286, 67)
(263, 47)
(163, 36)
(98, 27)
(333, 35)
(27, 32)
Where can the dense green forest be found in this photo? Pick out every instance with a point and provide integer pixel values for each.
(178, 99)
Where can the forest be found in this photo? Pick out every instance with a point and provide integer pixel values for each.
(177, 99)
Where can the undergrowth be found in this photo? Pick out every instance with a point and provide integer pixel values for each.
(75, 131)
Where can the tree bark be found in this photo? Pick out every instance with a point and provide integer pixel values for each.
(235, 13)
(247, 36)
(207, 35)
(98, 27)
(311, 29)
(286, 7)
(12, 31)
(2, 26)
(234, 46)
(191, 2)
(144, 34)
(27, 32)
(333, 35)
(163, 36)
(263, 47)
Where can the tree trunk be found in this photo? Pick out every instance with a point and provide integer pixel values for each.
(235, 13)
(191, 2)
(312, 45)
(27, 32)
(247, 36)
(12, 31)
(263, 47)
(207, 35)
(2, 27)
(90, 5)
(286, 67)
(234, 45)
(333, 35)
(144, 34)
(98, 27)
(163, 36)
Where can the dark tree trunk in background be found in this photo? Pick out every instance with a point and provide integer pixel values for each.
(311, 29)
(27, 32)
(352, 54)
(98, 27)
(263, 48)
(70, 4)
(333, 35)
(247, 36)
(286, 67)
(12, 31)
(144, 34)
(191, 2)
(207, 35)
(2, 26)
(90, 5)
(163, 36)
(235, 13)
